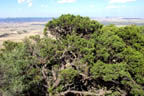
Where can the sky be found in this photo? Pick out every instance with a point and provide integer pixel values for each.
(54, 8)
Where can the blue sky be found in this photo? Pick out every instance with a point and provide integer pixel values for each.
(54, 8)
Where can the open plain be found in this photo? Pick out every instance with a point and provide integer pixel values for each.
(18, 31)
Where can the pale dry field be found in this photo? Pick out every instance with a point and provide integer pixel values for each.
(18, 31)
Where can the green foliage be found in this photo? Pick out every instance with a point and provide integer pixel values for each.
(9, 45)
(69, 24)
(68, 74)
(86, 58)
(20, 66)
(109, 72)
(135, 59)
(132, 36)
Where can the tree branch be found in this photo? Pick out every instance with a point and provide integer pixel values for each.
(100, 93)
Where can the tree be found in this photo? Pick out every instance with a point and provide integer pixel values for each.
(69, 24)
(86, 58)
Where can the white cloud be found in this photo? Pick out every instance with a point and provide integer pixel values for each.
(65, 1)
(121, 1)
(29, 2)
(115, 6)
(21, 1)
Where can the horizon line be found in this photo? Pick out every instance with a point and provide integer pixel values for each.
(82, 16)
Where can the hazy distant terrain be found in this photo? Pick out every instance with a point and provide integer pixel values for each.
(121, 21)
(16, 29)
(22, 20)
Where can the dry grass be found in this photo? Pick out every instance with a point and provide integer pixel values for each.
(18, 31)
